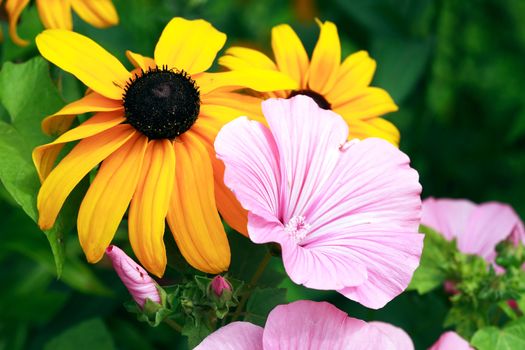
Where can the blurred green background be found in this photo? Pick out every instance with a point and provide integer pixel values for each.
(456, 70)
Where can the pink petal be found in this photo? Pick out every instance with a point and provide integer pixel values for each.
(371, 337)
(234, 336)
(364, 224)
(489, 224)
(399, 337)
(308, 140)
(139, 284)
(391, 258)
(451, 341)
(250, 155)
(331, 267)
(447, 216)
(307, 324)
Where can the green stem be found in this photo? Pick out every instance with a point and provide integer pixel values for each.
(258, 273)
(173, 325)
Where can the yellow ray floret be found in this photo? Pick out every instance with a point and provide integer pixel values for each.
(56, 14)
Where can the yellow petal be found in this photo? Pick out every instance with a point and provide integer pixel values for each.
(256, 79)
(14, 8)
(236, 58)
(139, 61)
(68, 173)
(45, 156)
(226, 106)
(229, 207)
(108, 197)
(192, 215)
(290, 55)
(189, 45)
(149, 206)
(99, 13)
(355, 75)
(370, 103)
(55, 14)
(93, 102)
(377, 127)
(85, 59)
(325, 59)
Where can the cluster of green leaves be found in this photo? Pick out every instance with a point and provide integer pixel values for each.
(481, 299)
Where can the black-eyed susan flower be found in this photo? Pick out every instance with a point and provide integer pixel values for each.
(342, 87)
(153, 132)
(56, 14)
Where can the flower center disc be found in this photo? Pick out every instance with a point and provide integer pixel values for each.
(318, 98)
(162, 103)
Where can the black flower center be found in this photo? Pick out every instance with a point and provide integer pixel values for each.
(162, 103)
(318, 98)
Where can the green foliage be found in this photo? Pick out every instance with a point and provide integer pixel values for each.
(511, 337)
(433, 266)
(261, 302)
(479, 295)
(28, 95)
(93, 333)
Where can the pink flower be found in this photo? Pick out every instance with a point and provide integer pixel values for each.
(139, 284)
(219, 285)
(477, 228)
(451, 341)
(308, 324)
(346, 214)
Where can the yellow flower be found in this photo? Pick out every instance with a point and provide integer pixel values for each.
(341, 87)
(56, 14)
(153, 131)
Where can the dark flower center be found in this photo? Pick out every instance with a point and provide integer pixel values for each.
(318, 98)
(162, 103)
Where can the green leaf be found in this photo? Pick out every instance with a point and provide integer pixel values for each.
(28, 95)
(196, 332)
(247, 256)
(261, 302)
(393, 73)
(88, 335)
(511, 337)
(431, 272)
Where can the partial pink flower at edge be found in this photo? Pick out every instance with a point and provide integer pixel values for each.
(478, 228)
(307, 324)
(139, 284)
(397, 336)
(451, 341)
(346, 214)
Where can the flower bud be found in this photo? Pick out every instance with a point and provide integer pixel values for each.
(219, 284)
(139, 284)
(450, 287)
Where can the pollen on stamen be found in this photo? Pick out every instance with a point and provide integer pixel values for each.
(297, 228)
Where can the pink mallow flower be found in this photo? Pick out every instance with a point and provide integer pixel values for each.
(139, 284)
(346, 214)
(451, 341)
(477, 228)
(307, 324)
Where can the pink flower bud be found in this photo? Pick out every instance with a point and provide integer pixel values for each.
(139, 284)
(219, 284)
(450, 287)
